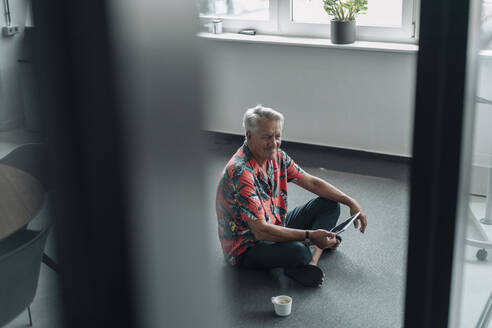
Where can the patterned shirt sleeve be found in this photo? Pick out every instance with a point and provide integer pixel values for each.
(294, 171)
(247, 198)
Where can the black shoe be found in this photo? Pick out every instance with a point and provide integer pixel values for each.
(307, 275)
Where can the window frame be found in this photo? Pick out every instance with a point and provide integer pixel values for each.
(280, 23)
(233, 24)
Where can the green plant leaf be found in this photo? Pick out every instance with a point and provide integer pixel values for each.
(343, 10)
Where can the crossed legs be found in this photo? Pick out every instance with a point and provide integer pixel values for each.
(318, 213)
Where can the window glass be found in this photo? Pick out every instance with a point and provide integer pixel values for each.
(387, 13)
(487, 9)
(471, 293)
(238, 9)
(487, 24)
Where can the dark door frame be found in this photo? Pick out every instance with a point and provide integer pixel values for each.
(84, 136)
(437, 154)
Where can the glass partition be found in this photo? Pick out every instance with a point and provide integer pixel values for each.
(471, 302)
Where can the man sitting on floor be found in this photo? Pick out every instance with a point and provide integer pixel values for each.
(255, 229)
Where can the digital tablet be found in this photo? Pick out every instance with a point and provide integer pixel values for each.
(345, 224)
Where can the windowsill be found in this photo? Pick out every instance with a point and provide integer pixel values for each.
(486, 53)
(313, 42)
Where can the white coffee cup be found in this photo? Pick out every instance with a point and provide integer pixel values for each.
(282, 304)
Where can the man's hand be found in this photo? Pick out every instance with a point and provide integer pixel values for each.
(325, 190)
(323, 239)
(354, 208)
(336, 243)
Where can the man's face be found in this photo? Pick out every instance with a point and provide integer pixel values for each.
(265, 141)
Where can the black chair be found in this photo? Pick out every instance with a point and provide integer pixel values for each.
(31, 158)
(20, 261)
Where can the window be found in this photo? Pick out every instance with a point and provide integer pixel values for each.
(236, 9)
(385, 20)
(239, 14)
(380, 13)
(486, 25)
(486, 10)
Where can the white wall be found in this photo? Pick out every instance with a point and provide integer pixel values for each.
(344, 98)
(11, 105)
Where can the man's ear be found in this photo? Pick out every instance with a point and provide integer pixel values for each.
(248, 135)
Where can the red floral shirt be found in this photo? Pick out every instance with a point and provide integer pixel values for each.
(245, 193)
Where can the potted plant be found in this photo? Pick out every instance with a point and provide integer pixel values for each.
(343, 22)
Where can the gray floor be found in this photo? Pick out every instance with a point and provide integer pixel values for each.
(364, 279)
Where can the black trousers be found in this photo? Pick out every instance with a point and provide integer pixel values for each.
(318, 213)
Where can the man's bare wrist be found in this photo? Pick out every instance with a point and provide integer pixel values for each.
(349, 201)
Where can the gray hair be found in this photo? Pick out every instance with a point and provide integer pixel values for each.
(253, 115)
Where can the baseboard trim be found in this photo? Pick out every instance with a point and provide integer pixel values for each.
(230, 137)
(479, 174)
